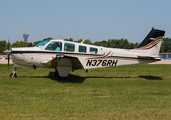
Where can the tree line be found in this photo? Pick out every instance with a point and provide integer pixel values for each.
(111, 43)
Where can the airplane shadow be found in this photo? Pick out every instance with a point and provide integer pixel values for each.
(78, 79)
(149, 77)
(70, 79)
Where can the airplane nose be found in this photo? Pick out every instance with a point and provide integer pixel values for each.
(8, 52)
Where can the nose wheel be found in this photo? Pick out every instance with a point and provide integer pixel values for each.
(13, 74)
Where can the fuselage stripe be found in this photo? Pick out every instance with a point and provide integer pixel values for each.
(99, 57)
(93, 56)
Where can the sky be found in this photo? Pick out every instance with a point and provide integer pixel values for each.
(96, 20)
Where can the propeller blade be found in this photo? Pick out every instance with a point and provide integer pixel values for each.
(8, 52)
(8, 46)
(8, 61)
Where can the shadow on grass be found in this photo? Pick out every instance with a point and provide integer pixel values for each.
(145, 77)
(70, 79)
(78, 79)
(105, 77)
(151, 77)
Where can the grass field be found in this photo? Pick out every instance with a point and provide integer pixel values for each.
(127, 92)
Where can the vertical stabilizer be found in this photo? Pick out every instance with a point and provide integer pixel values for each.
(150, 46)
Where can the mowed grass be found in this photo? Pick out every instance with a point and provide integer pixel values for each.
(127, 92)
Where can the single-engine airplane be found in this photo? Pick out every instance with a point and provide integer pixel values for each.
(65, 56)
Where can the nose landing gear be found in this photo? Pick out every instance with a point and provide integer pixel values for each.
(13, 74)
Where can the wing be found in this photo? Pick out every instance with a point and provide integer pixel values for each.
(63, 60)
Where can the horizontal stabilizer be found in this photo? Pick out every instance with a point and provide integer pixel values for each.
(150, 58)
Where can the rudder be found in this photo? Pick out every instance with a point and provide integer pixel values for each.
(152, 43)
(151, 38)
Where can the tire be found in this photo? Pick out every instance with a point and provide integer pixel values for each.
(56, 73)
(62, 78)
(13, 76)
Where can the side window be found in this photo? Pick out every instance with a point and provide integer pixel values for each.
(93, 50)
(55, 46)
(82, 49)
(69, 47)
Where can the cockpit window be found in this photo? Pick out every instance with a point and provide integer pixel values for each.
(56, 46)
(42, 44)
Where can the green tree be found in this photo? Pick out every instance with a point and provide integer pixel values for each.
(87, 41)
(3, 45)
(79, 40)
(30, 44)
(49, 38)
(70, 39)
(117, 43)
(166, 45)
(18, 44)
(136, 45)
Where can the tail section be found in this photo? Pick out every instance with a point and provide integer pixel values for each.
(150, 46)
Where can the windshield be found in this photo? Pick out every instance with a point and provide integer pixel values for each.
(42, 44)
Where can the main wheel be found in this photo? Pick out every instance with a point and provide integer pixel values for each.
(56, 73)
(13, 75)
(62, 78)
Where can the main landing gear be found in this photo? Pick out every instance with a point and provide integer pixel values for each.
(13, 74)
(57, 75)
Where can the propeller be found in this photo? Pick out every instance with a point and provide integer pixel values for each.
(8, 52)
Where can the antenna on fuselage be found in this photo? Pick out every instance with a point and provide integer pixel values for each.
(25, 36)
(83, 41)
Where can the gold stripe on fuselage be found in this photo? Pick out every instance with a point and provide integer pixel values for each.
(152, 42)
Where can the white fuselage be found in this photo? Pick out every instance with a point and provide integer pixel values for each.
(65, 56)
(88, 59)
